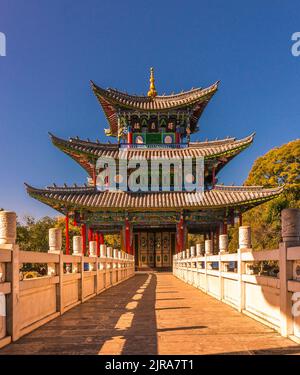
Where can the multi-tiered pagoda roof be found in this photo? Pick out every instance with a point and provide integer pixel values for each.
(122, 112)
(113, 101)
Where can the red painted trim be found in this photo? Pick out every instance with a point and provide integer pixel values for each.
(83, 234)
(240, 219)
(129, 138)
(97, 239)
(90, 234)
(67, 235)
(127, 237)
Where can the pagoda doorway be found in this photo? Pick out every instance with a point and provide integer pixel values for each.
(154, 249)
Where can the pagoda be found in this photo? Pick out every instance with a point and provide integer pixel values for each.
(154, 224)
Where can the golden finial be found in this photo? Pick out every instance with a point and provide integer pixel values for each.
(152, 91)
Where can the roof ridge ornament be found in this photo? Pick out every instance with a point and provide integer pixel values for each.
(152, 90)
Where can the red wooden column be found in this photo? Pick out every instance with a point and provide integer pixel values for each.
(217, 238)
(181, 232)
(96, 238)
(225, 226)
(90, 234)
(83, 235)
(94, 175)
(67, 235)
(211, 237)
(240, 219)
(127, 236)
(129, 135)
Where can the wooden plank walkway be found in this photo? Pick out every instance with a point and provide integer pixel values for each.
(153, 313)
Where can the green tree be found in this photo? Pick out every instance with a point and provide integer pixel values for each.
(33, 235)
(279, 166)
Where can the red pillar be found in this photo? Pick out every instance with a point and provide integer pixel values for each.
(97, 239)
(94, 176)
(127, 236)
(240, 219)
(67, 235)
(217, 238)
(211, 237)
(129, 135)
(90, 234)
(225, 226)
(83, 234)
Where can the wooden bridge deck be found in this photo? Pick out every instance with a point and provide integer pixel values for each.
(153, 313)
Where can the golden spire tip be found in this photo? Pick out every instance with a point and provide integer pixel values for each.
(152, 91)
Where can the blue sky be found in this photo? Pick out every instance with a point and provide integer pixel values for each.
(55, 47)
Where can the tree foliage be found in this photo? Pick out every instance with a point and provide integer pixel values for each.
(33, 234)
(279, 166)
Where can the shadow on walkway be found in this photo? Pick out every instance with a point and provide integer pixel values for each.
(113, 322)
(153, 313)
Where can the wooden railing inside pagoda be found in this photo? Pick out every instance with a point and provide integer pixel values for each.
(70, 280)
(153, 145)
(233, 278)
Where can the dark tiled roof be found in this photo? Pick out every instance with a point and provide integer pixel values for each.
(90, 198)
(82, 151)
(112, 99)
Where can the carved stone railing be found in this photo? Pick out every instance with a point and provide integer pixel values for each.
(229, 277)
(26, 304)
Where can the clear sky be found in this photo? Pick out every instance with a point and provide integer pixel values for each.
(55, 47)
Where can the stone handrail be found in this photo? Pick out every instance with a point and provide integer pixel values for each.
(26, 304)
(274, 301)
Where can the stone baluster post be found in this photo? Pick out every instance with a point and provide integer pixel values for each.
(245, 237)
(290, 232)
(109, 252)
(193, 251)
(223, 243)
(208, 246)
(77, 250)
(77, 245)
(8, 234)
(102, 251)
(290, 226)
(55, 244)
(93, 249)
(8, 228)
(187, 252)
(198, 250)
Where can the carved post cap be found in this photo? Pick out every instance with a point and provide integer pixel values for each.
(208, 246)
(193, 251)
(115, 253)
(223, 243)
(183, 254)
(55, 240)
(120, 254)
(245, 237)
(77, 245)
(8, 227)
(198, 250)
(290, 225)
(109, 252)
(93, 248)
(103, 251)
